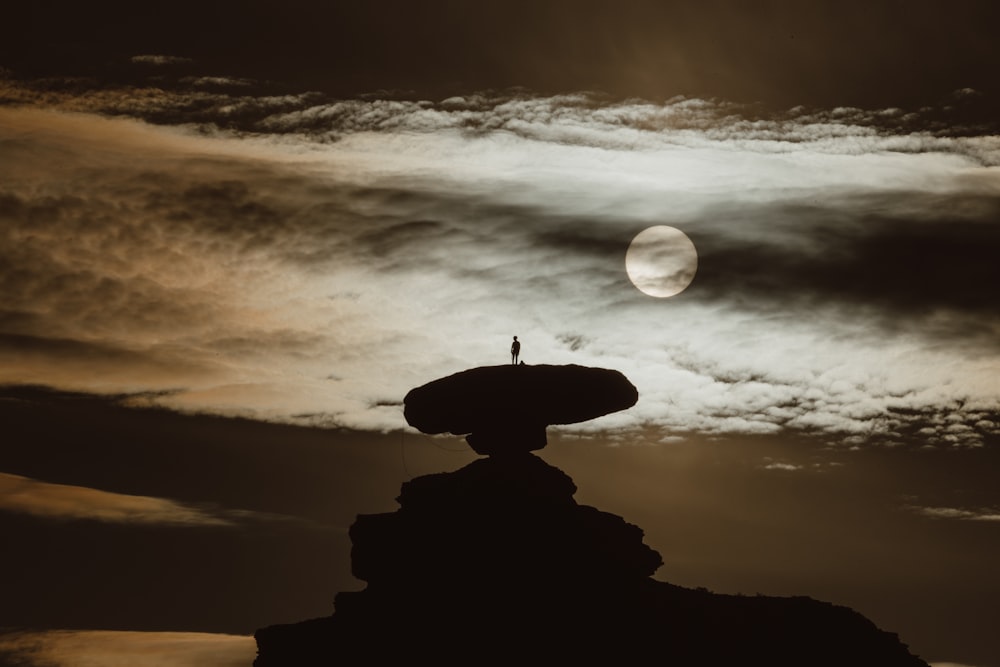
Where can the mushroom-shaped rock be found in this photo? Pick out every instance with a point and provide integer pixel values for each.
(506, 409)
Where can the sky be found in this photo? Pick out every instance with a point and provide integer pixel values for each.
(234, 235)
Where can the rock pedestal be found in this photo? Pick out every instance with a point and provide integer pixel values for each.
(497, 564)
(505, 409)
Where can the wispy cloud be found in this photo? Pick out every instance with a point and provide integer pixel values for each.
(845, 256)
(217, 81)
(782, 466)
(110, 648)
(65, 501)
(69, 502)
(160, 59)
(981, 514)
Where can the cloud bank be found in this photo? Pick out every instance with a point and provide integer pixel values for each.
(303, 259)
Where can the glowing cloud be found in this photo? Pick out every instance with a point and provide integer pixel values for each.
(108, 648)
(65, 501)
(344, 252)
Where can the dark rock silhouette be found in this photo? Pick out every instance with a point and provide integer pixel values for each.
(506, 409)
(496, 563)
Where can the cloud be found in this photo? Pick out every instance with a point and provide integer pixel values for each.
(982, 514)
(779, 465)
(65, 501)
(69, 502)
(158, 59)
(110, 648)
(845, 258)
(905, 253)
(581, 119)
(220, 81)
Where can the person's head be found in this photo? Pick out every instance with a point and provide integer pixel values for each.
(515, 337)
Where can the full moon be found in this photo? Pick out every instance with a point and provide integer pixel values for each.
(661, 261)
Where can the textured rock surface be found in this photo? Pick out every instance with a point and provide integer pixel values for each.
(506, 408)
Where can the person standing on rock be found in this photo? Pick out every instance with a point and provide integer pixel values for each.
(515, 349)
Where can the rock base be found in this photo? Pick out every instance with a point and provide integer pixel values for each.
(497, 564)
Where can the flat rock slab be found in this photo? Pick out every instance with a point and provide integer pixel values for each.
(511, 403)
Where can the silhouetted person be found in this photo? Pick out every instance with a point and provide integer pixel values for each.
(515, 349)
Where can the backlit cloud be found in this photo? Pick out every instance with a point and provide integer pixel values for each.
(65, 501)
(297, 258)
(782, 466)
(108, 648)
(160, 59)
(982, 514)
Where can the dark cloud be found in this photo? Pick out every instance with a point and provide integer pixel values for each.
(407, 243)
(573, 341)
(581, 236)
(857, 254)
(962, 124)
(778, 52)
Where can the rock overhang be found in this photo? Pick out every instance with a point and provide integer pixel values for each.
(494, 404)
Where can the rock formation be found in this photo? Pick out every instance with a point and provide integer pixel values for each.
(505, 409)
(496, 563)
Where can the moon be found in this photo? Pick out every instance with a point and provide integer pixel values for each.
(661, 261)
